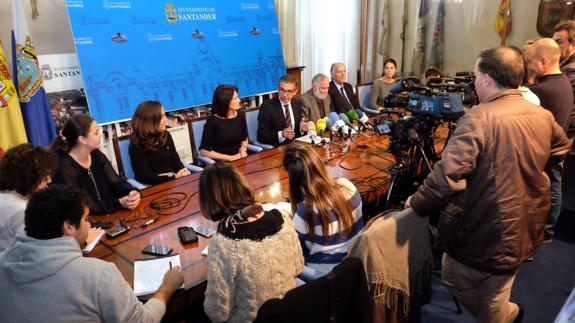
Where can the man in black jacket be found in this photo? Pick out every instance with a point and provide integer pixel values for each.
(341, 93)
(564, 36)
(280, 117)
(555, 93)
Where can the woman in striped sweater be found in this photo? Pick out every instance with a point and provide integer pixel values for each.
(327, 211)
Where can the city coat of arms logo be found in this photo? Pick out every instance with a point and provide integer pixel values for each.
(171, 14)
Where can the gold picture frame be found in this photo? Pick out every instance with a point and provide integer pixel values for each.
(552, 12)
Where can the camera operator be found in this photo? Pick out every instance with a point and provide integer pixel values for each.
(432, 73)
(492, 172)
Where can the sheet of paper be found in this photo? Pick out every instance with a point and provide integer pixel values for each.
(149, 274)
(307, 139)
(280, 206)
(94, 242)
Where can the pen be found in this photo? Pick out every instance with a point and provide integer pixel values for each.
(147, 223)
(170, 265)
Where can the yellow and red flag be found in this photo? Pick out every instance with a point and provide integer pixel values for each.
(12, 130)
(503, 20)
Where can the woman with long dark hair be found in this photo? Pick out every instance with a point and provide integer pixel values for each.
(381, 85)
(327, 212)
(255, 254)
(152, 150)
(83, 165)
(225, 135)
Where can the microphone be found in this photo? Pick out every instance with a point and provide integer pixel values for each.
(337, 124)
(328, 121)
(311, 131)
(345, 120)
(352, 115)
(363, 119)
(311, 128)
(321, 124)
(329, 124)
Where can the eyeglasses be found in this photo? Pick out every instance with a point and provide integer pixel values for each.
(286, 91)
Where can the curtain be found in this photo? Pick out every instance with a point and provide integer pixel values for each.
(326, 32)
(376, 40)
(286, 21)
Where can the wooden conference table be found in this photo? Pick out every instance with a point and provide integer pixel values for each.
(365, 167)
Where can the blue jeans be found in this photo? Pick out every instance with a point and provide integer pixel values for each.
(555, 173)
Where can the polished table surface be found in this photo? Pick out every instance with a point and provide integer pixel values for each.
(364, 162)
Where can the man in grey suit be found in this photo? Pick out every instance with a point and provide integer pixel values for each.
(316, 101)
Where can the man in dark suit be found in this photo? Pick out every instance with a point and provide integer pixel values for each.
(341, 92)
(280, 117)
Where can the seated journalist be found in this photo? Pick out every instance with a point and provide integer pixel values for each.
(45, 278)
(35, 167)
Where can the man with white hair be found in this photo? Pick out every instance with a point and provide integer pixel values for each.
(316, 101)
(342, 96)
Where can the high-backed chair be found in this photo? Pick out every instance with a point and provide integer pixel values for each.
(363, 92)
(181, 135)
(121, 147)
(339, 296)
(197, 132)
(252, 125)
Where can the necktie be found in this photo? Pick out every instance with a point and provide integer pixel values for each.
(288, 116)
(345, 96)
(321, 108)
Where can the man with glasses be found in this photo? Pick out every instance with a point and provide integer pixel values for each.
(280, 118)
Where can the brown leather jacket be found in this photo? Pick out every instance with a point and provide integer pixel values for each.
(494, 163)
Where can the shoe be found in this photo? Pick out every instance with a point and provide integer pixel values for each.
(529, 259)
(519, 316)
(547, 238)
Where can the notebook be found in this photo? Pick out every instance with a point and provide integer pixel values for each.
(149, 273)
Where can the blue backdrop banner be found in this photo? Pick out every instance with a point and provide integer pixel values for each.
(176, 52)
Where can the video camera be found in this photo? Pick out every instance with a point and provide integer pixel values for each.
(463, 83)
(422, 100)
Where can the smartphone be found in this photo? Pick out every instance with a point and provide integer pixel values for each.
(157, 250)
(383, 128)
(102, 224)
(187, 235)
(117, 231)
(203, 231)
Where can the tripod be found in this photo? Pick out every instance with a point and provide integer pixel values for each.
(412, 161)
